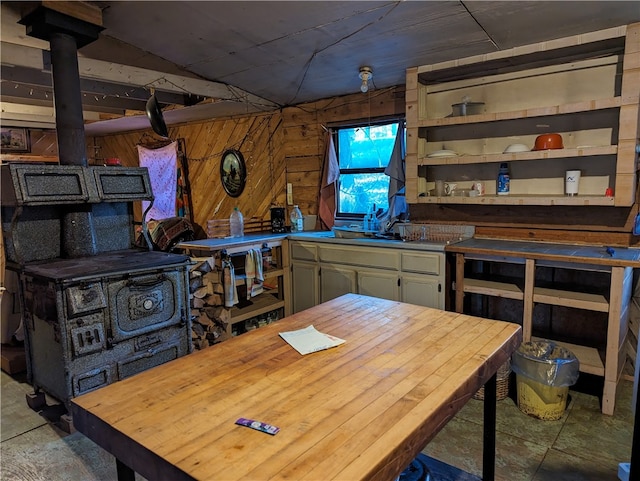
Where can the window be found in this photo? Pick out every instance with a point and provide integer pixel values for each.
(363, 153)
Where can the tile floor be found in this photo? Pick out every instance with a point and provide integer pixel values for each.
(583, 445)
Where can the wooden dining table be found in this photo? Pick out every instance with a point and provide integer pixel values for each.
(362, 410)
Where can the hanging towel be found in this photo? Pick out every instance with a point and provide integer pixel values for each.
(229, 284)
(162, 164)
(250, 272)
(259, 267)
(330, 176)
(253, 271)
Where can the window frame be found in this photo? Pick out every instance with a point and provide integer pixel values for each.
(334, 129)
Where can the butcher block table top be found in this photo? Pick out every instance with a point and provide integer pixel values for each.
(362, 410)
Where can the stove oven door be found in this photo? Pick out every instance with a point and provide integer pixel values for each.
(144, 303)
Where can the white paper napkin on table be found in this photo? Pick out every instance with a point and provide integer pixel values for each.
(309, 340)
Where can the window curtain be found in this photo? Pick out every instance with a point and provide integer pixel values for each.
(396, 172)
(329, 184)
(163, 169)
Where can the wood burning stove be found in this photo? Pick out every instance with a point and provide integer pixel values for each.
(95, 308)
(90, 320)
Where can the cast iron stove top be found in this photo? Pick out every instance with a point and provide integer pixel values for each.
(103, 264)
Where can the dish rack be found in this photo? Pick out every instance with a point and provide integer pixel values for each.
(442, 233)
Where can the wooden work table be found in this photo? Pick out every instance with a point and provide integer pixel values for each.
(362, 410)
(619, 262)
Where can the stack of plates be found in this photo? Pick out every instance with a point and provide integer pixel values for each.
(443, 153)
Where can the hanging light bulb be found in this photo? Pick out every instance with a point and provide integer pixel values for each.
(365, 74)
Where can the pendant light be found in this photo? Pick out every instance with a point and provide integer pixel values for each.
(365, 75)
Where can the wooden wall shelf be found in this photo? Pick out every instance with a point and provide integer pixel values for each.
(590, 96)
(29, 158)
(620, 269)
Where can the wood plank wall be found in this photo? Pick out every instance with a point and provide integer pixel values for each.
(278, 147)
(306, 135)
(257, 137)
(288, 146)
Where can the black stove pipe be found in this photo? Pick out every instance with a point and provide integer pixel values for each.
(65, 34)
(68, 104)
(78, 230)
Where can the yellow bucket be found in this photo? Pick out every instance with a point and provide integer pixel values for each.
(541, 401)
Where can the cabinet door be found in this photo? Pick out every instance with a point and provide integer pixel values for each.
(423, 291)
(379, 284)
(336, 281)
(304, 283)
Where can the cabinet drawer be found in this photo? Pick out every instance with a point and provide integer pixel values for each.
(304, 252)
(424, 263)
(359, 256)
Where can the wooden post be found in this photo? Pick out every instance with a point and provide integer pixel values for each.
(459, 283)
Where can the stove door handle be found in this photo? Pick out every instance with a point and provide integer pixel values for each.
(143, 285)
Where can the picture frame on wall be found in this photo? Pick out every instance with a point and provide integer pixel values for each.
(14, 140)
(233, 172)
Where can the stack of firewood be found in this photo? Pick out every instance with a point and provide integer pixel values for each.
(210, 319)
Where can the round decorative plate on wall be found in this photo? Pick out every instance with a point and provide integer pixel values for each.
(233, 172)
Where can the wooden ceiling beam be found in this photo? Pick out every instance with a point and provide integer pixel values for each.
(34, 58)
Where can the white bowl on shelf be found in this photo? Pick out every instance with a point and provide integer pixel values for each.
(516, 148)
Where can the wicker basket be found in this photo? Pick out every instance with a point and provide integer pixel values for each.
(502, 383)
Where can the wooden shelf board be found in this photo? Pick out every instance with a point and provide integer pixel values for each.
(241, 279)
(575, 107)
(268, 274)
(261, 304)
(514, 199)
(589, 357)
(588, 44)
(492, 288)
(520, 156)
(29, 158)
(578, 300)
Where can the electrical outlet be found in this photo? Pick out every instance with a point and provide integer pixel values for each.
(289, 193)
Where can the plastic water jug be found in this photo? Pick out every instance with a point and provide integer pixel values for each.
(297, 221)
(236, 223)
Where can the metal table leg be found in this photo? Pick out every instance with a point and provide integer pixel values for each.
(125, 473)
(489, 436)
(634, 468)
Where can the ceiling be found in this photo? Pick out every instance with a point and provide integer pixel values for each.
(207, 59)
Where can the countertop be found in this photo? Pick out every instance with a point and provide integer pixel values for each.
(310, 236)
(227, 242)
(328, 238)
(622, 256)
(598, 255)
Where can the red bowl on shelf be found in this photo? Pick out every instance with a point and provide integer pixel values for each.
(548, 141)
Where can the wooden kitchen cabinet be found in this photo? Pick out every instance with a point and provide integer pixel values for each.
(377, 283)
(323, 271)
(584, 87)
(422, 290)
(305, 275)
(336, 281)
(304, 278)
(355, 269)
(423, 278)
